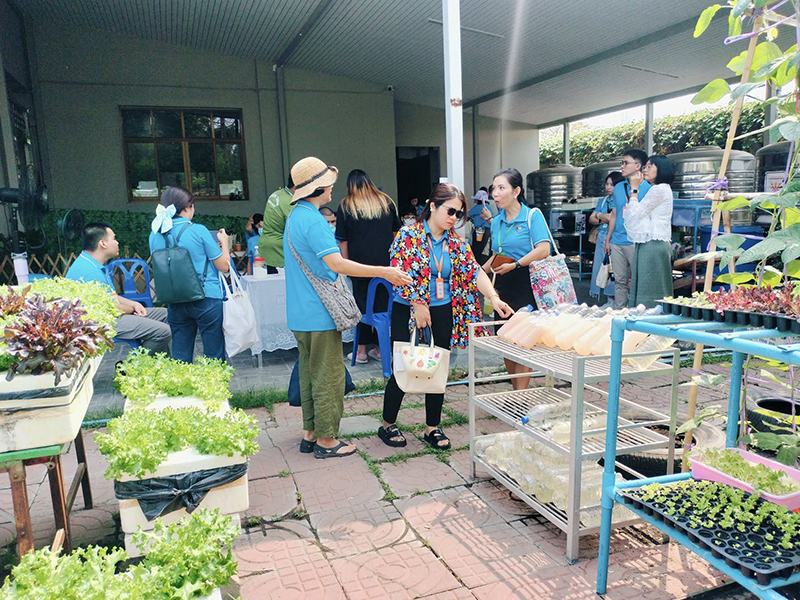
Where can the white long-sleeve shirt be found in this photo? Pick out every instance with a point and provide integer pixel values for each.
(651, 217)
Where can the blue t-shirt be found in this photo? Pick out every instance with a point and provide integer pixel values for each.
(515, 238)
(313, 239)
(475, 214)
(441, 255)
(86, 269)
(202, 247)
(603, 207)
(622, 192)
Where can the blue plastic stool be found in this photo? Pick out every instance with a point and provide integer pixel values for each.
(128, 266)
(382, 322)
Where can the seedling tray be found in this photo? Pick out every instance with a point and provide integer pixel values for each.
(703, 471)
(734, 317)
(743, 550)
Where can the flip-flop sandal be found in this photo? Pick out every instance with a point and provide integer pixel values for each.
(320, 452)
(307, 447)
(435, 437)
(387, 433)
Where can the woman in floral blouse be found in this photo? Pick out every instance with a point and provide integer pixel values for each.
(443, 297)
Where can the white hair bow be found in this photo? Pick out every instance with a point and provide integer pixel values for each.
(163, 221)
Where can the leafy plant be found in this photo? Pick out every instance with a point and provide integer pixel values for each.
(140, 440)
(52, 336)
(183, 560)
(95, 299)
(758, 476)
(786, 445)
(143, 376)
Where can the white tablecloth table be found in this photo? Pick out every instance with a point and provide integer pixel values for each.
(268, 297)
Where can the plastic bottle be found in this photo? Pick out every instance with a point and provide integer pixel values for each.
(600, 328)
(561, 430)
(520, 330)
(482, 443)
(654, 342)
(544, 415)
(566, 338)
(532, 335)
(515, 319)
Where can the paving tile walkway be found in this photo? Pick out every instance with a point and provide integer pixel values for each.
(397, 522)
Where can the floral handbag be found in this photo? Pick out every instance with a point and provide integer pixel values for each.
(550, 279)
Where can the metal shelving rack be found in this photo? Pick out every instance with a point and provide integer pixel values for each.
(580, 372)
(740, 341)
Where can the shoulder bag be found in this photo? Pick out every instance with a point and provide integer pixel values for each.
(335, 295)
(550, 279)
(173, 272)
(420, 369)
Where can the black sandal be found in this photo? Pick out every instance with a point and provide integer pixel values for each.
(306, 446)
(320, 452)
(434, 439)
(387, 433)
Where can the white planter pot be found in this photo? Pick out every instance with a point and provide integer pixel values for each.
(162, 402)
(230, 499)
(34, 412)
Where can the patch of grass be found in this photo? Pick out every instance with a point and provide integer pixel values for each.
(253, 521)
(388, 494)
(276, 519)
(265, 398)
(371, 386)
(299, 514)
(708, 359)
(378, 412)
(101, 415)
(299, 495)
(418, 492)
(453, 418)
(284, 473)
(458, 374)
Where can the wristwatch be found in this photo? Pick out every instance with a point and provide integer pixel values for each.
(516, 264)
(634, 191)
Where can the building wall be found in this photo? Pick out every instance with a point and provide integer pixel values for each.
(82, 80)
(500, 144)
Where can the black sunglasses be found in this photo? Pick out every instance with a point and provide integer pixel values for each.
(454, 211)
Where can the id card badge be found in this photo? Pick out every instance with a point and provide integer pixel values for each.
(439, 288)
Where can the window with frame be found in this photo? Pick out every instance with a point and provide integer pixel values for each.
(201, 150)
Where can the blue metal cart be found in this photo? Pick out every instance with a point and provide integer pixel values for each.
(740, 341)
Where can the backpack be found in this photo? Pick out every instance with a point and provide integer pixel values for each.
(174, 274)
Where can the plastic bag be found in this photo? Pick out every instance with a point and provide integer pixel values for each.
(238, 318)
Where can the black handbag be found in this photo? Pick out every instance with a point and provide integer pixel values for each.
(173, 272)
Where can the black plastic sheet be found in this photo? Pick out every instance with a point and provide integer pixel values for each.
(162, 495)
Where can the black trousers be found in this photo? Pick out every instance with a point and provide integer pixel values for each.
(442, 328)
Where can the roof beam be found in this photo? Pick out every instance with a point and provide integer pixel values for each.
(312, 20)
(632, 104)
(641, 42)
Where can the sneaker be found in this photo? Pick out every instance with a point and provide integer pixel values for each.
(361, 359)
(375, 353)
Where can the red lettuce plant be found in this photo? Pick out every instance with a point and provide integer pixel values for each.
(782, 300)
(51, 337)
(12, 301)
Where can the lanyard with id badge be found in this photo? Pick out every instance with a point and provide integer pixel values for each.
(439, 264)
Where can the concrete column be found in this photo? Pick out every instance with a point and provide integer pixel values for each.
(475, 151)
(283, 123)
(648, 128)
(8, 169)
(566, 143)
(451, 19)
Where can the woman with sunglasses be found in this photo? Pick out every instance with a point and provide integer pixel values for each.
(443, 297)
(519, 237)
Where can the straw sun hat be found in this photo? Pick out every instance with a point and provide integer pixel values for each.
(310, 174)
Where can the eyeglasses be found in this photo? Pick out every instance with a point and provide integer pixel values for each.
(622, 163)
(452, 211)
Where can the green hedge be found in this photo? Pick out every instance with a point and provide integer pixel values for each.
(131, 228)
(708, 127)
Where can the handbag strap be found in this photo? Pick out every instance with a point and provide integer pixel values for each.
(315, 280)
(175, 245)
(530, 215)
(414, 341)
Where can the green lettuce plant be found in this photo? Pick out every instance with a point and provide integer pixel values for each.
(143, 376)
(183, 560)
(758, 476)
(140, 440)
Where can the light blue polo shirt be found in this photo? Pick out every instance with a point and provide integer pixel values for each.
(202, 247)
(85, 268)
(443, 256)
(619, 237)
(313, 239)
(475, 214)
(515, 237)
(603, 207)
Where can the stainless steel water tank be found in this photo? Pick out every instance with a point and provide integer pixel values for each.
(696, 168)
(771, 159)
(552, 186)
(594, 177)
